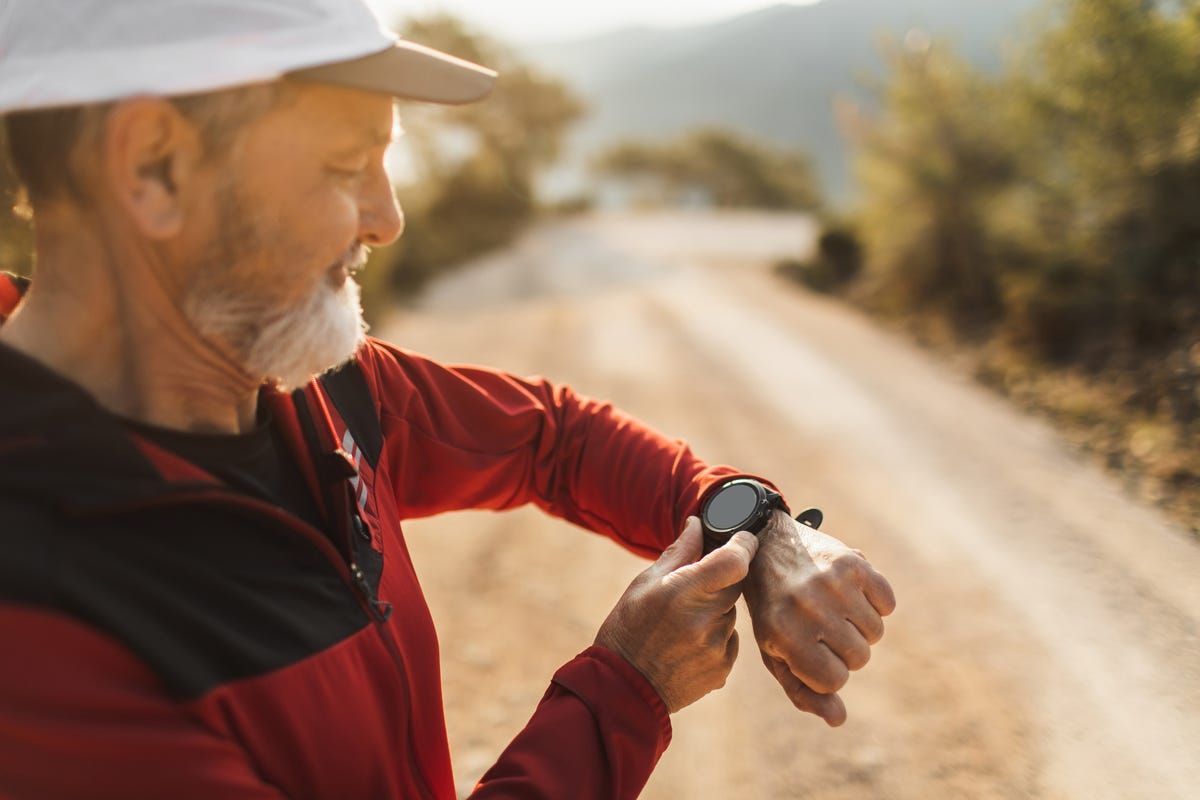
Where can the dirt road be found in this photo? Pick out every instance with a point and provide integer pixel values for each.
(1047, 643)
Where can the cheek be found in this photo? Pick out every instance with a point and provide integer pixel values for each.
(318, 229)
(332, 214)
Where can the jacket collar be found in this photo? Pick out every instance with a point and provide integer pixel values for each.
(59, 447)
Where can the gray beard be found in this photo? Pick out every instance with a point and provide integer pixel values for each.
(285, 345)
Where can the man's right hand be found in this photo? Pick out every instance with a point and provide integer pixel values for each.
(675, 622)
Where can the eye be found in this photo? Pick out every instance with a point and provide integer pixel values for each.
(349, 172)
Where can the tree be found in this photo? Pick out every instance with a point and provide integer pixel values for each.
(719, 166)
(16, 234)
(1057, 199)
(475, 165)
(932, 168)
(1112, 93)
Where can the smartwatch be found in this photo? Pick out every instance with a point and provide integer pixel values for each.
(744, 504)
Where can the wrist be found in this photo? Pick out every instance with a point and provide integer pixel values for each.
(617, 652)
(780, 538)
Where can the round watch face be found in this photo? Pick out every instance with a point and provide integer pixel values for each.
(731, 508)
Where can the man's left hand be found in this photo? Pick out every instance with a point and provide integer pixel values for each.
(817, 607)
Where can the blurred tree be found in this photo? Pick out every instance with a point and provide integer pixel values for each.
(1057, 203)
(836, 263)
(1058, 198)
(16, 234)
(1111, 94)
(718, 166)
(475, 165)
(931, 170)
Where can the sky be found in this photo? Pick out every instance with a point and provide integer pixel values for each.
(524, 21)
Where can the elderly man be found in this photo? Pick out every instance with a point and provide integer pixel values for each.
(204, 589)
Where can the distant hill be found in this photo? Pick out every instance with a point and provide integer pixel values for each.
(773, 73)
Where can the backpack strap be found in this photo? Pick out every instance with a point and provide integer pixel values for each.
(347, 388)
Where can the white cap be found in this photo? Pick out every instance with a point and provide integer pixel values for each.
(75, 52)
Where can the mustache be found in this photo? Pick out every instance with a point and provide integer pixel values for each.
(354, 259)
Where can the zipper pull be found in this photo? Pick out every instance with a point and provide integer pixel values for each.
(360, 527)
(381, 609)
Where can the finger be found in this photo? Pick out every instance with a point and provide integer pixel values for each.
(684, 550)
(717, 631)
(863, 616)
(816, 666)
(878, 591)
(848, 644)
(722, 601)
(828, 707)
(724, 567)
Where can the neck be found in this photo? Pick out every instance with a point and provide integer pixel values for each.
(105, 315)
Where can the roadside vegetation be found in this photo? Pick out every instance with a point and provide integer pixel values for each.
(16, 234)
(1044, 225)
(712, 167)
(473, 167)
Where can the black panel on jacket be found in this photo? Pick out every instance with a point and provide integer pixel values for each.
(257, 462)
(204, 584)
(202, 594)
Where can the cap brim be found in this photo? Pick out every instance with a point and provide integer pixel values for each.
(410, 72)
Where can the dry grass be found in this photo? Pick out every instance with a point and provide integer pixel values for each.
(1118, 418)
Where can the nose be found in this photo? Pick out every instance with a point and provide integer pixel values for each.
(380, 220)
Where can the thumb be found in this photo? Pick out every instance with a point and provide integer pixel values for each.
(684, 550)
(724, 567)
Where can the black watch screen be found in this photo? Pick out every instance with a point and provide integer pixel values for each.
(739, 505)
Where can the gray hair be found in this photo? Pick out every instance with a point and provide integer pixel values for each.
(48, 147)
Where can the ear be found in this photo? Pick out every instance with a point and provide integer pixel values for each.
(151, 153)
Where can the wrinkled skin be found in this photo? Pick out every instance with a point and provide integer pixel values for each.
(817, 607)
(675, 622)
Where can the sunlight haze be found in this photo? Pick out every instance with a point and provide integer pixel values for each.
(541, 20)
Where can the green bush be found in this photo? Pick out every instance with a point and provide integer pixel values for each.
(728, 169)
(16, 232)
(837, 263)
(461, 206)
(931, 169)
(1052, 205)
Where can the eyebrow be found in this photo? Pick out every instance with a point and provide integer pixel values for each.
(380, 138)
(369, 139)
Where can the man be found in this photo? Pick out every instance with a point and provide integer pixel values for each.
(204, 589)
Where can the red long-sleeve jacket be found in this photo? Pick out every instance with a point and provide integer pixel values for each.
(162, 635)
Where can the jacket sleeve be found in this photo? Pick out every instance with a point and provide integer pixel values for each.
(81, 717)
(470, 437)
(597, 734)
